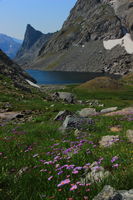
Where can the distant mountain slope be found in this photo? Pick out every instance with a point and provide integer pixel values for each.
(78, 46)
(33, 42)
(9, 45)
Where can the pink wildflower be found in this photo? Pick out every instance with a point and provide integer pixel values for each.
(50, 178)
(75, 172)
(115, 165)
(74, 187)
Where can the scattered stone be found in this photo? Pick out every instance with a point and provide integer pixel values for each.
(78, 133)
(109, 193)
(76, 122)
(125, 111)
(65, 96)
(129, 135)
(107, 110)
(96, 174)
(9, 115)
(62, 115)
(21, 171)
(109, 140)
(116, 128)
(86, 112)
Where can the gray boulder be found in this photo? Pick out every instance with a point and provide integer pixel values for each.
(76, 122)
(106, 193)
(65, 96)
(86, 112)
(109, 193)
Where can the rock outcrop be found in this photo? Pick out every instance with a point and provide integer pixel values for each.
(33, 42)
(78, 46)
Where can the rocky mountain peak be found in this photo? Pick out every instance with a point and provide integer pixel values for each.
(30, 37)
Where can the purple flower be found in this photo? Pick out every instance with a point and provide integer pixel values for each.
(60, 172)
(114, 159)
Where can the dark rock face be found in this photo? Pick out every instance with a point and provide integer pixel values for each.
(78, 46)
(9, 45)
(33, 42)
(13, 71)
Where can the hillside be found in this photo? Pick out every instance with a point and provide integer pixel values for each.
(66, 144)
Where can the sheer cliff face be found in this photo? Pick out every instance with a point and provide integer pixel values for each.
(78, 46)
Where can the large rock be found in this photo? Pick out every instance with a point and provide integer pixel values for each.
(106, 193)
(76, 122)
(86, 112)
(129, 135)
(109, 193)
(109, 140)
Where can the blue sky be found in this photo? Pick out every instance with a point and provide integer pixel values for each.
(44, 15)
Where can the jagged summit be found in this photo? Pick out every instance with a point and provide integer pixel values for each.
(31, 36)
(33, 42)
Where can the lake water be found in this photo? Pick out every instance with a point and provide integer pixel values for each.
(49, 77)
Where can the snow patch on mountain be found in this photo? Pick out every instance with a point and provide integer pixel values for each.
(125, 42)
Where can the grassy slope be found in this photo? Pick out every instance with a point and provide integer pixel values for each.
(32, 143)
